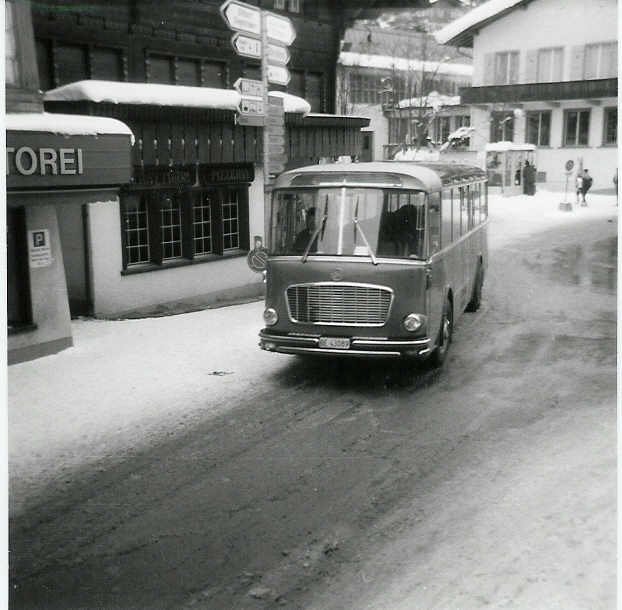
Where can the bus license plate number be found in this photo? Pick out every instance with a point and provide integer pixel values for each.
(335, 342)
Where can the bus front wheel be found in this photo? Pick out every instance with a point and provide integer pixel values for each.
(444, 336)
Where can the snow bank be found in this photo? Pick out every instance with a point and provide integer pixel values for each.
(114, 92)
(65, 124)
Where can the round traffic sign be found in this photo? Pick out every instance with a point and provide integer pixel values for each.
(569, 165)
(257, 259)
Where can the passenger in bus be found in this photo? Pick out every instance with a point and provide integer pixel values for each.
(399, 236)
(302, 239)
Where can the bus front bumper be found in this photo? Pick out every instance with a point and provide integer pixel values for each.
(357, 346)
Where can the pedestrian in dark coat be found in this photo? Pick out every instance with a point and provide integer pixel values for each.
(586, 184)
(529, 179)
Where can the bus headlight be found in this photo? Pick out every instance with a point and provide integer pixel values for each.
(270, 317)
(413, 322)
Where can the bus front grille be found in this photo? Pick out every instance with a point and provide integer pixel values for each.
(339, 304)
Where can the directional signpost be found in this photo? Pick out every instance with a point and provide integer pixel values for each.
(247, 46)
(266, 36)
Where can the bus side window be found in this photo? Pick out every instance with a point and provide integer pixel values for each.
(434, 222)
(465, 209)
(484, 187)
(446, 218)
(456, 196)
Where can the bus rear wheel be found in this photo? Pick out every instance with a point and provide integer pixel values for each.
(444, 336)
(476, 297)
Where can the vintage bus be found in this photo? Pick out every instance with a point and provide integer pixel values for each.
(374, 259)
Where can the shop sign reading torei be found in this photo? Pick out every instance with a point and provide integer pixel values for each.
(35, 159)
(44, 161)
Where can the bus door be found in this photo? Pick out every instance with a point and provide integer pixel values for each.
(435, 268)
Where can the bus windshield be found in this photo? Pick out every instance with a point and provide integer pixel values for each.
(348, 221)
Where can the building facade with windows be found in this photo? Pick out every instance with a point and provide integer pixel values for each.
(180, 231)
(383, 67)
(555, 88)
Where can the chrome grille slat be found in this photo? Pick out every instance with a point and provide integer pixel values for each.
(339, 304)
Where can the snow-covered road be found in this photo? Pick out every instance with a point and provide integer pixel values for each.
(512, 466)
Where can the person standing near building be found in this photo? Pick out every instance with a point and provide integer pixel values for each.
(586, 184)
(579, 187)
(529, 179)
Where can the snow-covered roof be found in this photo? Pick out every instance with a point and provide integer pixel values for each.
(430, 101)
(387, 62)
(503, 146)
(153, 94)
(65, 124)
(459, 32)
(292, 103)
(337, 116)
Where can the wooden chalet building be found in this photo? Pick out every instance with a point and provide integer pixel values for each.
(178, 234)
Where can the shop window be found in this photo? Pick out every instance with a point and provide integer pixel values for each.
(19, 313)
(280, 4)
(231, 221)
(170, 227)
(161, 226)
(576, 127)
(550, 65)
(538, 128)
(136, 230)
(610, 137)
(202, 223)
(502, 126)
(294, 6)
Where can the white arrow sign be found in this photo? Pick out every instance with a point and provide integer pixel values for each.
(242, 16)
(278, 54)
(246, 45)
(280, 29)
(279, 75)
(248, 86)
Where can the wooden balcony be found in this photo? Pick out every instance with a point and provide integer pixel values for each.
(541, 92)
(172, 136)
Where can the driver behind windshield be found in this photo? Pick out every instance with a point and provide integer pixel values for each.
(302, 239)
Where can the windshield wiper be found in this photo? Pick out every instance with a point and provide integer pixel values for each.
(355, 220)
(320, 227)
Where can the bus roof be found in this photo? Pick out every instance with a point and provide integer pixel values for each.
(426, 176)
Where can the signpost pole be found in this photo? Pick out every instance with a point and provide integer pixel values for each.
(266, 129)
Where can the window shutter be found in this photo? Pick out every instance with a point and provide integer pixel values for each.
(576, 62)
(489, 69)
(531, 65)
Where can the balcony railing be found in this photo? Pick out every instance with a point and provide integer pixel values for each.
(539, 92)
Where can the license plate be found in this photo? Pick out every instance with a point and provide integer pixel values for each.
(335, 342)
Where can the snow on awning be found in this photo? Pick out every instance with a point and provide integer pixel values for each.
(363, 60)
(150, 94)
(65, 124)
(457, 31)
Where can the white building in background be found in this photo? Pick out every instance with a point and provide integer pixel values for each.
(545, 73)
